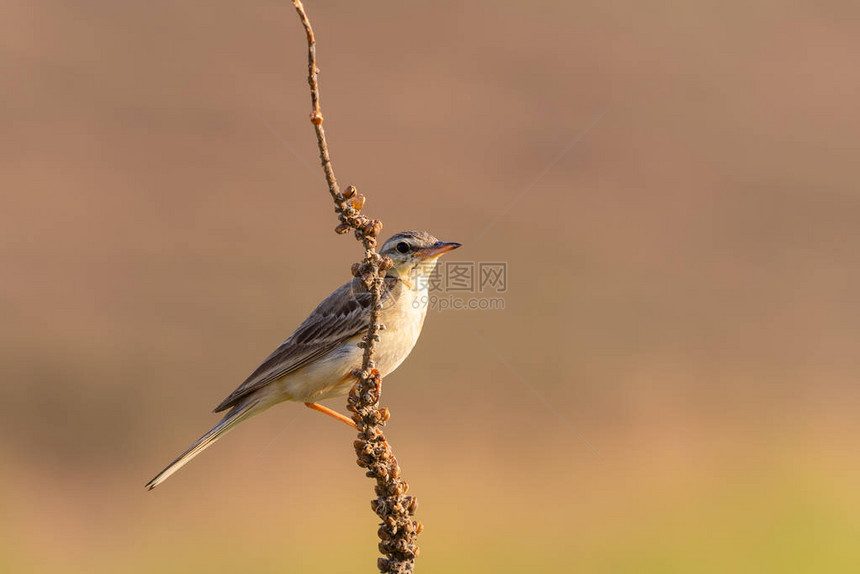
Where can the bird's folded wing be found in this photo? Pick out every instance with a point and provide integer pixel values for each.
(342, 315)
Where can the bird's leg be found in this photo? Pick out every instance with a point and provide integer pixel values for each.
(333, 414)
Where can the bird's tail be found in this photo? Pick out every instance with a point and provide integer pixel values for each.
(238, 414)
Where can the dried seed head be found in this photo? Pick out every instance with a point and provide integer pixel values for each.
(316, 118)
(341, 229)
(349, 191)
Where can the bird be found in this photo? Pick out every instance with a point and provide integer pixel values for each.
(319, 359)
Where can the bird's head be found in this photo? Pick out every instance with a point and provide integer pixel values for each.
(411, 250)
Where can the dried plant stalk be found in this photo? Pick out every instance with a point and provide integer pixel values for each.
(398, 530)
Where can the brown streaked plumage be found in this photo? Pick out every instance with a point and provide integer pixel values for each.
(342, 315)
(316, 362)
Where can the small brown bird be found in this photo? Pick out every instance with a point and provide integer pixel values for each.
(317, 361)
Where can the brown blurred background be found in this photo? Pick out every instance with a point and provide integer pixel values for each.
(673, 188)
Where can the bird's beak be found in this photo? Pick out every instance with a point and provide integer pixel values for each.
(437, 249)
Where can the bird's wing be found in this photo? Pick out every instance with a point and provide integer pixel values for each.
(342, 315)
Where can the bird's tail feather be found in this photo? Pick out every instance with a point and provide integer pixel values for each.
(238, 414)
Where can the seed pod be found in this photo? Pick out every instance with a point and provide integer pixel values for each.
(375, 228)
(316, 118)
(384, 533)
(358, 201)
(385, 264)
(341, 229)
(349, 191)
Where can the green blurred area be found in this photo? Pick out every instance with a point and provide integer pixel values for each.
(670, 387)
(775, 517)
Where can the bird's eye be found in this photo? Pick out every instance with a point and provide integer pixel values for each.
(402, 247)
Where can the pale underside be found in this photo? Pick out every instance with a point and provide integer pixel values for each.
(317, 361)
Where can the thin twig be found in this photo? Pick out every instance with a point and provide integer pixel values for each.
(316, 114)
(397, 531)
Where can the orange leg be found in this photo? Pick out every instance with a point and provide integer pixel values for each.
(333, 414)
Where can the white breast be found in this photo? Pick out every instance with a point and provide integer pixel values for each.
(403, 322)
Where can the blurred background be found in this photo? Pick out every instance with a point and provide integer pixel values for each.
(672, 385)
